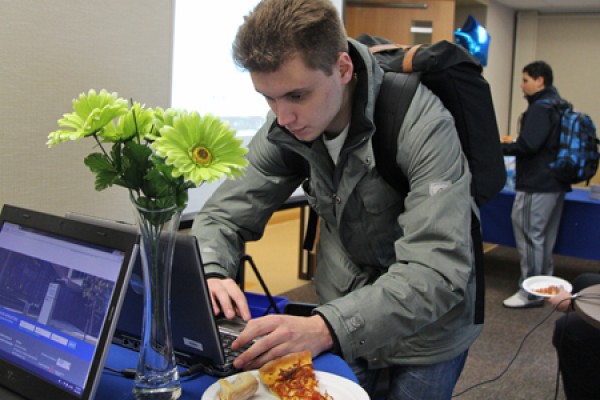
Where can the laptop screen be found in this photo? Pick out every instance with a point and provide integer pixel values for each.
(57, 292)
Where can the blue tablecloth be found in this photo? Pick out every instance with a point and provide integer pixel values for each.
(578, 235)
(115, 387)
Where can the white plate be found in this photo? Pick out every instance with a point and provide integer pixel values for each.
(530, 285)
(336, 386)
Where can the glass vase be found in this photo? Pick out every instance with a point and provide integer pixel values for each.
(156, 376)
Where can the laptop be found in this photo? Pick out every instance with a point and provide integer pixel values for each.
(201, 340)
(62, 283)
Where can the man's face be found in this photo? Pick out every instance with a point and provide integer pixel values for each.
(531, 86)
(306, 101)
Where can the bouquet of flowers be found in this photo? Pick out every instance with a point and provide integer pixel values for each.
(156, 154)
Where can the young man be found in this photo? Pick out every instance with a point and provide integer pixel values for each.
(394, 274)
(539, 195)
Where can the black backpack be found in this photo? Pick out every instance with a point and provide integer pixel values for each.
(576, 144)
(451, 73)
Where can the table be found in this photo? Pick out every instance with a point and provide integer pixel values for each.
(116, 387)
(587, 305)
(578, 235)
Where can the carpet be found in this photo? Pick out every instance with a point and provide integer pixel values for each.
(533, 373)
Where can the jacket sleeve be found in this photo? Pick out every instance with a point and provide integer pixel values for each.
(535, 131)
(251, 200)
(425, 291)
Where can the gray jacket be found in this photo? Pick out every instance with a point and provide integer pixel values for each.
(394, 270)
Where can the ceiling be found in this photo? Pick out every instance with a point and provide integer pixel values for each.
(553, 6)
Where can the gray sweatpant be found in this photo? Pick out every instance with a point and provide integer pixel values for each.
(535, 220)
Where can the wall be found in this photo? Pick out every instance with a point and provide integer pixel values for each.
(570, 45)
(499, 22)
(51, 52)
(393, 19)
(500, 25)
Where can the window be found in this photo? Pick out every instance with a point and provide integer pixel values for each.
(205, 79)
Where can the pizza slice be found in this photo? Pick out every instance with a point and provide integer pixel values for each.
(292, 377)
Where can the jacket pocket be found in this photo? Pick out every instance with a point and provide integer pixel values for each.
(336, 275)
(378, 222)
(378, 196)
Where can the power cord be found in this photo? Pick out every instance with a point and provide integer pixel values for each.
(272, 304)
(516, 353)
(193, 370)
(128, 373)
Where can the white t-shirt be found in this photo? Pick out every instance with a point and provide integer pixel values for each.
(334, 146)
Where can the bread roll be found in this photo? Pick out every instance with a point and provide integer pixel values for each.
(243, 387)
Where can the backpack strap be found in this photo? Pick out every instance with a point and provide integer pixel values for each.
(395, 96)
(478, 253)
(409, 55)
(407, 62)
(387, 47)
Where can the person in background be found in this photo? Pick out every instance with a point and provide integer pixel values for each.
(539, 195)
(577, 344)
(395, 270)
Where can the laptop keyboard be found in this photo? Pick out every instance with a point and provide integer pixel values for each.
(227, 339)
(229, 330)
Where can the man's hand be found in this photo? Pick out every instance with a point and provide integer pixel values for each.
(228, 298)
(277, 335)
(561, 299)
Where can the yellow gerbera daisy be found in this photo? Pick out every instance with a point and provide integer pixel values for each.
(202, 149)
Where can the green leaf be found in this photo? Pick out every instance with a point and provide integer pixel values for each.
(98, 162)
(105, 179)
(135, 163)
(156, 185)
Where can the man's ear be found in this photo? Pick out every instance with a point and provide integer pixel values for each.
(541, 82)
(345, 67)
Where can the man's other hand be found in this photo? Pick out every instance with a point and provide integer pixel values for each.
(228, 298)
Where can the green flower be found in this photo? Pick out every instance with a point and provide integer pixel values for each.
(162, 118)
(156, 154)
(92, 114)
(201, 149)
(137, 121)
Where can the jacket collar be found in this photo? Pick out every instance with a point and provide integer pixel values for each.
(550, 91)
